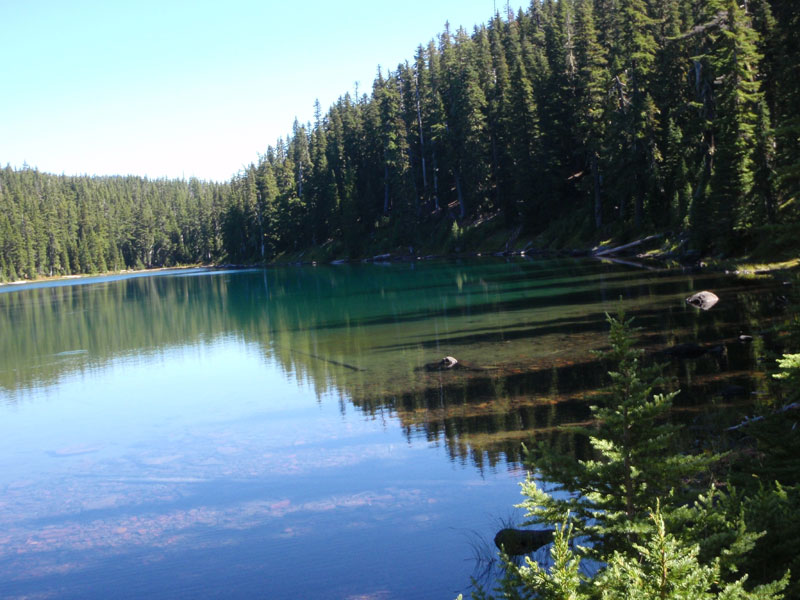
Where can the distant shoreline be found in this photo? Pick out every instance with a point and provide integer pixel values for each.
(104, 274)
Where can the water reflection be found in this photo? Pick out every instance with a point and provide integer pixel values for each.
(364, 333)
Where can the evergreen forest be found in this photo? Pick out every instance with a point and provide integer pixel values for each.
(571, 122)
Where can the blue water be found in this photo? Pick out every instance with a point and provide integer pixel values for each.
(275, 434)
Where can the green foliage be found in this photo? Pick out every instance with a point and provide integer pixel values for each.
(563, 580)
(772, 509)
(637, 507)
(662, 566)
(636, 462)
(667, 568)
(790, 372)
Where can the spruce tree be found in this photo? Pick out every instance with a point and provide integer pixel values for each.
(636, 464)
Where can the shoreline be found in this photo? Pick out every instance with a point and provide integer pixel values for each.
(744, 267)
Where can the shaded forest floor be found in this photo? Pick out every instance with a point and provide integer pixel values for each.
(769, 248)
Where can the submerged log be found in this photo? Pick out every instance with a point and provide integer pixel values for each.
(522, 541)
(328, 360)
(703, 300)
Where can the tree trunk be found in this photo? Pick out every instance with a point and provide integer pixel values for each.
(300, 180)
(461, 208)
(421, 140)
(598, 202)
(414, 181)
(435, 179)
(385, 189)
(496, 169)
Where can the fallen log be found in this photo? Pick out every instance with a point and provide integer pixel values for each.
(783, 409)
(649, 238)
(629, 263)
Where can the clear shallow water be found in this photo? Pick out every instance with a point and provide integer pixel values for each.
(275, 433)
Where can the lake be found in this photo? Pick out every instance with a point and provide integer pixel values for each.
(276, 433)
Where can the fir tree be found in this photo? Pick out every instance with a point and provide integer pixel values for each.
(590, 104)
(637, 461)
(734, 59)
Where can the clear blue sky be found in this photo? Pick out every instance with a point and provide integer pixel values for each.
(178, 88)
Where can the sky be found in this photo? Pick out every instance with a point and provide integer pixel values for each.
(183, 89)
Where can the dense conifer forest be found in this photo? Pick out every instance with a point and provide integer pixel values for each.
(573, 120)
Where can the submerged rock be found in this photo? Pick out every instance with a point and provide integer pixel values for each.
(689, 350)
(692, 350)
(733, 391)
(522, 541)
(448, 362)
(703, 300)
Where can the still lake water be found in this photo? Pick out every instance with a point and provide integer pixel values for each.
(275, 434)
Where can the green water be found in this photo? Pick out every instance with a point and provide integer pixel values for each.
(276, 433)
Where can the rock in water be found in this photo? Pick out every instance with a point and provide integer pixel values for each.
(703, 300)
(732, 391)
(522, 541)
(448, 362)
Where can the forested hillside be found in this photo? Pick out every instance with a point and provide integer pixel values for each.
(59, 225)
(596, 118)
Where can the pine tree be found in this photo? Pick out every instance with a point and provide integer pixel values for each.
(497, 96)
(322, 183)
(634, 124)
(464, 105)
(522, 124)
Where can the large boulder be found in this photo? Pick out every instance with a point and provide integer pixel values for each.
(703, 300)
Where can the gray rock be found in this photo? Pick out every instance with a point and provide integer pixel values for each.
(703, 300)
(448, 362)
